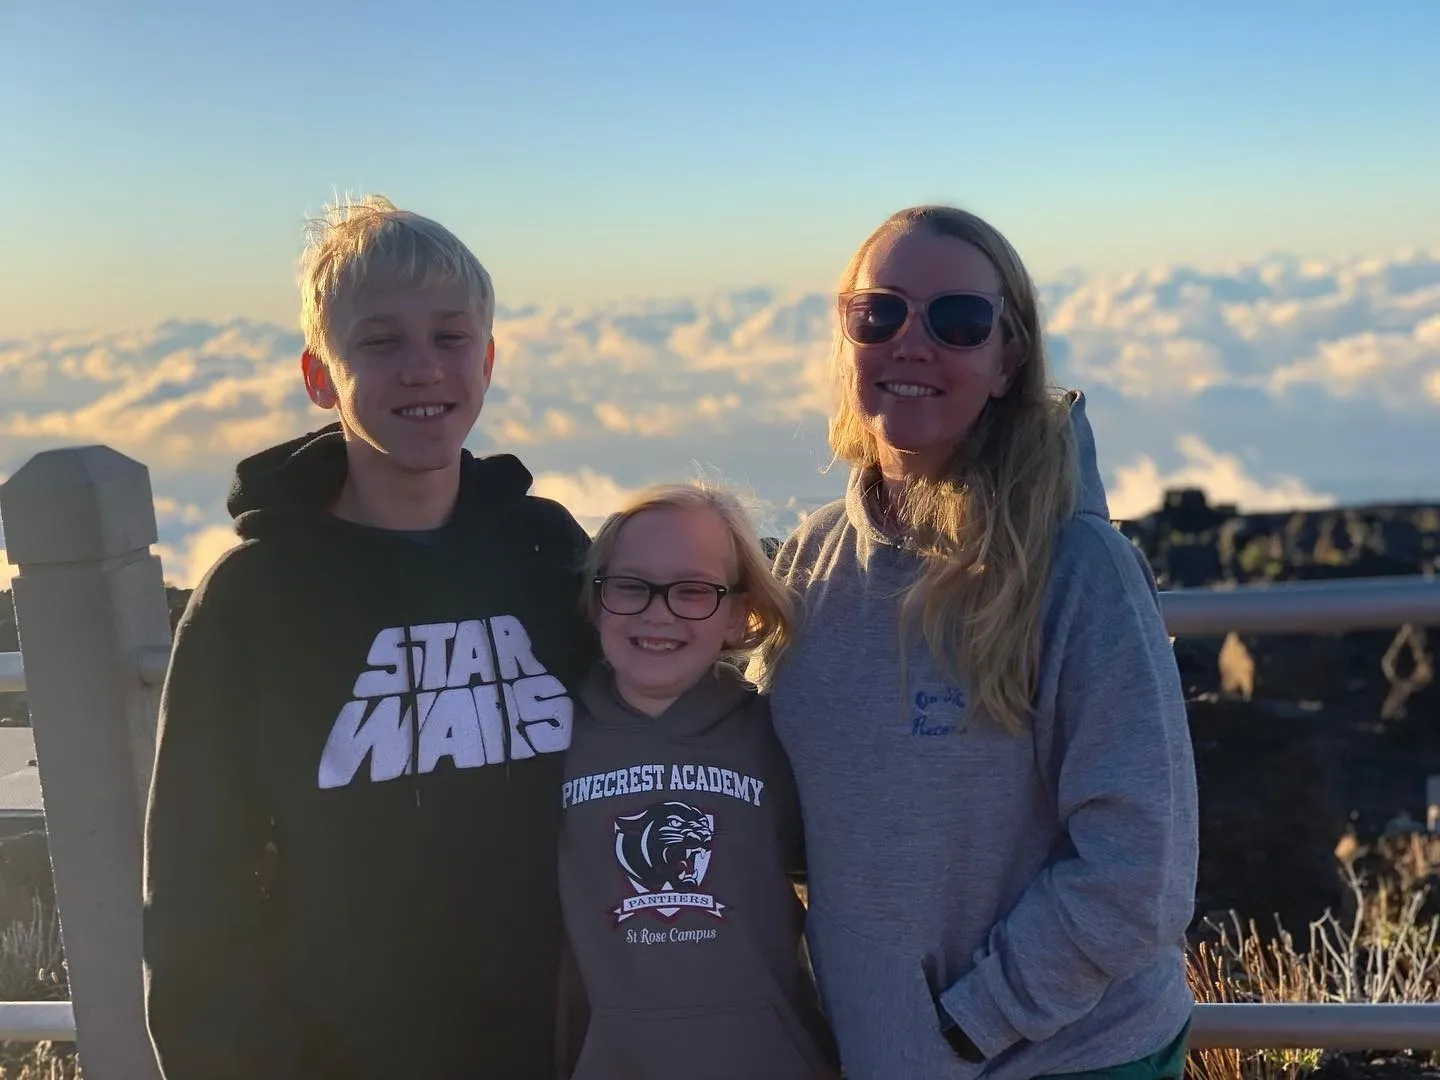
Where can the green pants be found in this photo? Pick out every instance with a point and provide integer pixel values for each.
(1166, 1064)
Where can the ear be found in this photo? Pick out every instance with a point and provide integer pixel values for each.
(738, 622)
(489, 361)
(317, 380)
(1012, 359)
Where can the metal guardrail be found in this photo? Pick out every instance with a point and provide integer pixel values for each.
(1304, 607)
(151, 665)
(1284, 607)
(12, 673)
(37, 1021)
(1288, 607)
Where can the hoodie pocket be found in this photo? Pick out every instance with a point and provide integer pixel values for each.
(879, 1004)
(711, 1042)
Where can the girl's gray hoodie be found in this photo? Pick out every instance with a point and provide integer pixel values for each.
(679, 834)
(1039, 886)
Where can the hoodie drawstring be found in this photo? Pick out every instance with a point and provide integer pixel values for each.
(412, 697)
(500, 695)
(414, 701)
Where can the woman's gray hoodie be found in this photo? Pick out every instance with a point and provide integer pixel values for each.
(679, 834)
(1039, 885)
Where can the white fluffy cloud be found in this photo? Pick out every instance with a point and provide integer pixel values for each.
(184, 394)
(590, 496)
(1282, 382)
(1138, 487)
(188, 561)
(1365, 327)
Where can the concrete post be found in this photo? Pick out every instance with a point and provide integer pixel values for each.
(90, 609)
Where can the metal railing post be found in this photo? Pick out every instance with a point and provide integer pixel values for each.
(90, 605)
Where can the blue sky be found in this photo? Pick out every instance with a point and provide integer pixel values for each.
(159, 161)
(636, 161)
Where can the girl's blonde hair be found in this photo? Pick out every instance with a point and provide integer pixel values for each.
(770, 624)
(987, 525)
(358, 242)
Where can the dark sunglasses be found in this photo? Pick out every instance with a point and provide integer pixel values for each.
(957, 320)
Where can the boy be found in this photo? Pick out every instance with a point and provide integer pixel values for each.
(333, 889)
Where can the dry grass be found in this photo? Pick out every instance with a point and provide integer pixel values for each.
(1384, 952)
(32, 968)
(43, 1061)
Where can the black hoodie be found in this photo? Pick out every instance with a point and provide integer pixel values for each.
(679, 836)
(407, 921)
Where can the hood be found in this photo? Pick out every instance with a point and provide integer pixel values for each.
(1092, 488)
(718, 694)
(295, 482)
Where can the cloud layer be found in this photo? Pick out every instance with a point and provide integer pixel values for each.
(1278, 383)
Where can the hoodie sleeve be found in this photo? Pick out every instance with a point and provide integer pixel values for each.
(212, 1005)
(1123, 894)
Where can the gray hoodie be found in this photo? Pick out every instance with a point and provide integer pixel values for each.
(1040, 885)
(679, 834)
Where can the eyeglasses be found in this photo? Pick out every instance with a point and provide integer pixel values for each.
(957, 320)
(694, 600)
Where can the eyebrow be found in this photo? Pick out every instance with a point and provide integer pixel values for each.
(392, 320)
(687, 574)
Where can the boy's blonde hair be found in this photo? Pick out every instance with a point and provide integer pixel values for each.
(771, 609)
(359, 242)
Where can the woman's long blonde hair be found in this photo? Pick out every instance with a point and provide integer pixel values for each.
(986, 526)
(768, 601)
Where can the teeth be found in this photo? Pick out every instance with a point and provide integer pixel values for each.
(656, 644)
(423, 410)
(908, 389)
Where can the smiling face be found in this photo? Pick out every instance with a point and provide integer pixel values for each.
(408, 378)
(918, 397)
(656, 655)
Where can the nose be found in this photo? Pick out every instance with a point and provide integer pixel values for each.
(421, 366)
(656, 610)
(914, 342)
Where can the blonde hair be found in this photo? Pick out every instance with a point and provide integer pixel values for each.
(360, 241)
(987, 525)
(770, 623)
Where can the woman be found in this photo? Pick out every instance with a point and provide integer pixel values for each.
(981, 706)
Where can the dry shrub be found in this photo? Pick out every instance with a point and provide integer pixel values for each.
(32, 968)
(1385, 952)
(32, 964)
(44, 1061)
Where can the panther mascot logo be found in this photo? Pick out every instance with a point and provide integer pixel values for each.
(665, 851)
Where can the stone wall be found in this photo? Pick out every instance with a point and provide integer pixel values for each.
(1306, 741)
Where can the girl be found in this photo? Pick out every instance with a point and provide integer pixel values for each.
(1000, 801)
(680, 824)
